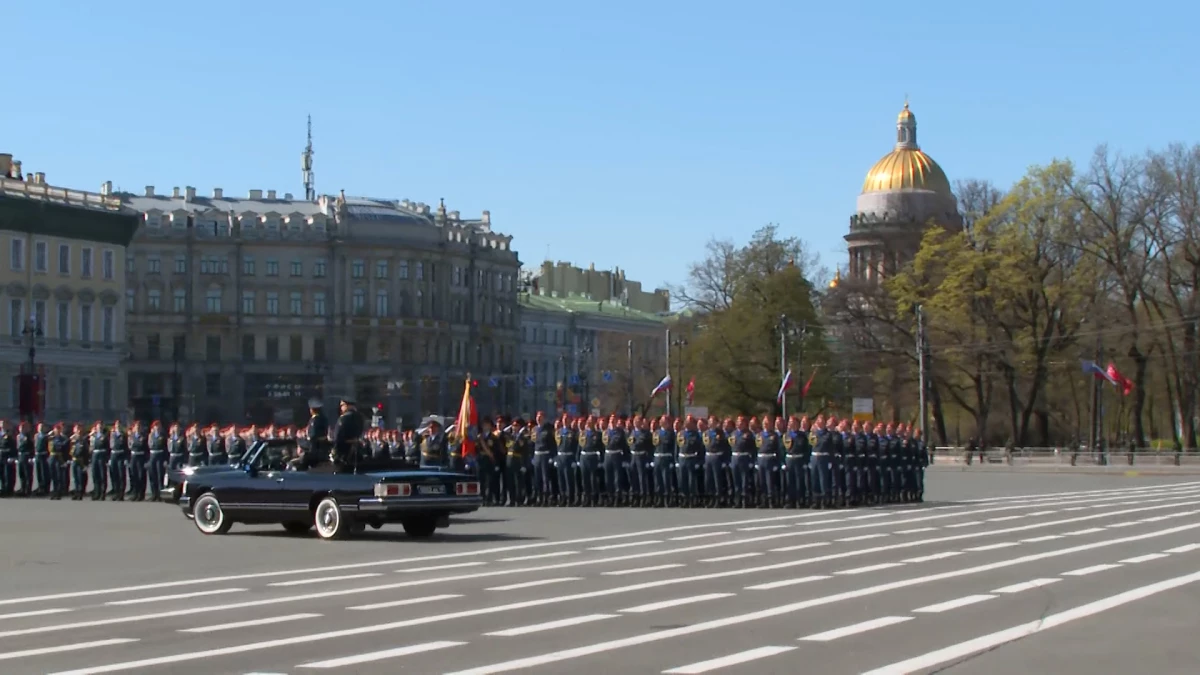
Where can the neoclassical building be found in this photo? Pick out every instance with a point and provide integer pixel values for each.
(904, 194)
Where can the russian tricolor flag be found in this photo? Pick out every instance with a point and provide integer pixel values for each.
(663, 385)
(787, 382)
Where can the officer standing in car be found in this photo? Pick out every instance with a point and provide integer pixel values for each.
(350, 426)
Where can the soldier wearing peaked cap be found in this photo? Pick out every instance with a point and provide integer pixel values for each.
(349, 431)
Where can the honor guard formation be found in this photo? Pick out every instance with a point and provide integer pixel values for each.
(747, 462)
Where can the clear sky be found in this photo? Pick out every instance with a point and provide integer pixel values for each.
(620, 133)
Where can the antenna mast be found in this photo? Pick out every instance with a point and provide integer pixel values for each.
(306, 165)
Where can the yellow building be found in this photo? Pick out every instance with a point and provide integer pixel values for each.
(62, 280)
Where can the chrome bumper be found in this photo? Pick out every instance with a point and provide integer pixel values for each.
(417, 504)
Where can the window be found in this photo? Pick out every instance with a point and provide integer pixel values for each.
(248, 266)
(106, 394)
(108, 319)
(420, 271)
(153, 265)
(85, 393)
(179, 347)
(247, 302)
(319, 269)
(16, 316)
(420, 308)
(180, 264)
(358, 268)
(153, 300)
(179, 300)
(404, 270)
(63, 326)
(212, 384)
(247, 347)
(297, 268)
(64, 396)
(319, 303)
(381, 303)
(318, 354)
(272, 348)
(64, 259)
(359, 305)
(212, 301)
(39, 313)
(296, 348)
(296, 302)
(153, 347)
(381, 269)
(130, 299)
(85, 323)
(18, 254)
(85, 262)
(41, 255)
(456, 279)
(212, 348)
(130, 267)
(272, 268)
(110, 270)
(273, 303)
(359, 348)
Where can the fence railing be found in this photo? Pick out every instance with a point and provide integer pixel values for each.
(60, 195)
(1066, 457)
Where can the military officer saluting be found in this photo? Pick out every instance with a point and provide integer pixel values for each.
(434, 444)
(346, 437)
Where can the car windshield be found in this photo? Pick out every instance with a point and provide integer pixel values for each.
(269, 457)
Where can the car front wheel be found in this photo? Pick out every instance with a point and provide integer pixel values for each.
(330, 522)
(420, 528)
(210, 518)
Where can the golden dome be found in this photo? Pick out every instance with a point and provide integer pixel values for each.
(906, 169)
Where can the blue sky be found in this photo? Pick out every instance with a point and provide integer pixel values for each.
(621, 133)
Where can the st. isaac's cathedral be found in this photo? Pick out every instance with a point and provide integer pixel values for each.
(904, 194)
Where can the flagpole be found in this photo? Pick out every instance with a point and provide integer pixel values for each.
(668, 348)
(783, 363)
(1095, 432)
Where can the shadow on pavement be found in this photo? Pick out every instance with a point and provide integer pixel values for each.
(396, 535)
(477, 521)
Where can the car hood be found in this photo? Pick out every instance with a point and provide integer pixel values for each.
(203, 470)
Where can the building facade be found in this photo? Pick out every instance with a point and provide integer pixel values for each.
(580, 356)
(242, 308)
(563, 280)
(61, 280)
(904, 194)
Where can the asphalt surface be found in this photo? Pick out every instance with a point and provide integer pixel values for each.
(996, 573)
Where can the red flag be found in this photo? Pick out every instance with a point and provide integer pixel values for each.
(468, 420)
(691, 391)
(1122, 382)
(804, 391)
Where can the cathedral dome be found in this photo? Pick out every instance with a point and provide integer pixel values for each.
(906, 167)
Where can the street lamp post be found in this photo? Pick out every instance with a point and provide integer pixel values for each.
(32, 331)
(679, 344)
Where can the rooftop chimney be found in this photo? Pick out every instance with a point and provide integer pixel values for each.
(149, 190)
(39, 178)
(487, 217)
(190, 193)
(174, 193)
(5, 165)
(218, 193)
(256, 194)
(270, 194)
(16, 169)
(454, 215)
(287, 196)
(106, 187)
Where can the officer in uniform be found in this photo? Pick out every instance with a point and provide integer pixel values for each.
(888, 446)
(41, 459)
(689, 445)
(871, 465)
(58, 465)
(614, 458)
(8, 461)
(316, 434)
(641, 451)
(821, 440)
(921, 463)
(139, 455)
(517, 449)
(714, 474)
(25, 459)
(434, 444)
(350, 426)
(118, 461)
(767, 445)
(856, 447)
(217, 456)
(176, 449)
(489, 478)
(99, 453)
(742, 463)
(566, 459)
(156, 467)
(235, 447)
(664, 461)
(795, 467)
(80, 457)
(544, 446)
(592, 449)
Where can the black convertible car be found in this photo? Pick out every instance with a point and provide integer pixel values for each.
(262, 488)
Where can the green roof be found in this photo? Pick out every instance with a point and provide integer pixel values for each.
(590, 307)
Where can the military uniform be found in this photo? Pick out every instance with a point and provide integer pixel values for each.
(664, 461)
(99, 452)
(80, 458)
(156, 466)
(41, 462)
(767, 445)
(744, 448)
(346, 437)
(796, 453)
(118, 461)
(59, 464)
(614, 460)
(714, 474)
(819, 467)
(566, 459)
(589, 464)
(139, 455)
(25, 462)
(516, 450)
(543, 464)
(8, 462)
(641, 480)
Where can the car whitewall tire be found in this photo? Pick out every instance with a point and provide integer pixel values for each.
(328, 519)
(208, 515)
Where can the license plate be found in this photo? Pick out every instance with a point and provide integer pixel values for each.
(431, 489)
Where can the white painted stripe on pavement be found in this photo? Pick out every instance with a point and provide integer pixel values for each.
(771, 585)
(36, 612)
(666, 604)
(534, 584)
(934, 556)
(726, 661)
(344, 577)
(966, 524)
(766, 527)
(980, 644)
(1143, 558)
(1084, 571)
(379, 656)
(1184, 549)
(1042, 513)
(953, 604)
(1075, 508)
(869, 568)
(857, 628)
(916, 530)
(628, 544)
(540, 556)
(1090, 530)
(799, 547)
(42, 651)
(702, 535)
(179, 596)
(1128, 523)
(864, 537)
(736, 556)
(435, 568)
(1048, 537)
(405, 603)
(551, 625)
(993, 547)
(1001, 519)
(640, 570)
(247, 624)
(1175, 491)
(656, 636)
(1027, 585)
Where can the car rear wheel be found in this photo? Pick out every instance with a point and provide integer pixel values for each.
(330, 522)
(298, 527)
(210, 518)
(420, 528)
